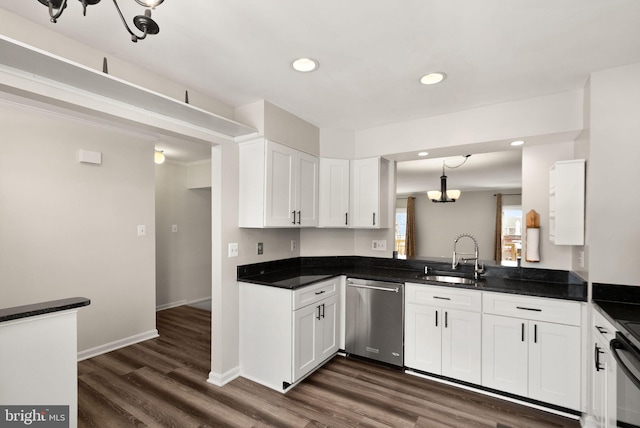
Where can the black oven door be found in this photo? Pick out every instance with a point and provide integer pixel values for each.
(627, 357)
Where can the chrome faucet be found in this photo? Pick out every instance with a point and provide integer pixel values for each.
(478, 268)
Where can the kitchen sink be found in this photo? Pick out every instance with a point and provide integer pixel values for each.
(447, 279)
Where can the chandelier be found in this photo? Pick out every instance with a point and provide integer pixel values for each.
(444, 195)
(144, 23)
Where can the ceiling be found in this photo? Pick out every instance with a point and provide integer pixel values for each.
(372, 53)
(495, 171)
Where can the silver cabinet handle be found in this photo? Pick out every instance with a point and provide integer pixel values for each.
(373, 287)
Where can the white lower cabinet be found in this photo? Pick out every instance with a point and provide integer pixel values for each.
(315, 335)
(285, 334)
(523, 354)
(442, 331)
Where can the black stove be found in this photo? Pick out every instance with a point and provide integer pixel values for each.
(631, 331)
(621, 304)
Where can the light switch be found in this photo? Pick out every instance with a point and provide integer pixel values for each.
(233, 249)
(142, 230)
(174, 228)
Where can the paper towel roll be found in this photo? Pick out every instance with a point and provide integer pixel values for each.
(533, 244)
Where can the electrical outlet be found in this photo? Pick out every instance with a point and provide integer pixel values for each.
(260, 248)
(294, 245)
(379, 245)
(581, 258)
(233, 249)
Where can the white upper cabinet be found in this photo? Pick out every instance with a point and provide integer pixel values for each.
(369, 193)
(566, 202)
(334, 193)
(278, 186)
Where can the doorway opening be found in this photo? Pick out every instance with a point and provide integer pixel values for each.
(511, 235)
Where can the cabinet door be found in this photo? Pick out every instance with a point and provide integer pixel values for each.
(307, 171)
(603, 387)
(365, 195)
(422, 338)
(280, 186)
(504, 354)
(334, 193)
(305, 341)
(329, 329)
(462, 345)
(554, 364)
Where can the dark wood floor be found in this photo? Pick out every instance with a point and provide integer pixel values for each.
(162, 383)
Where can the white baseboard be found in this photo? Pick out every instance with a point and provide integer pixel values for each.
(112, 346)
(182, 302)
(222, 379)
(171, 305)
(196, 301)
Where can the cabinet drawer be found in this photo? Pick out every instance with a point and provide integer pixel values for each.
(533, 308)
(443, 296)
(602, 327)
(315, 292)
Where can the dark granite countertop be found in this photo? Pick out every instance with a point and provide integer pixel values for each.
(18, 312)
(298, 272)
(618, 303)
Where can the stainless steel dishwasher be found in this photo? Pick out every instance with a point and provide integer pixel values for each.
(375, 320)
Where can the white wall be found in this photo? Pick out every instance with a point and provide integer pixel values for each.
(613, 174)
(70, 229)
(536, 162)
(183, 258)
(437, 225)
(550, 115)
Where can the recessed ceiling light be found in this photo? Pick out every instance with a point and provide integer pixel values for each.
(305, 65)
(423, 154)
(433, 78)
(517, 143)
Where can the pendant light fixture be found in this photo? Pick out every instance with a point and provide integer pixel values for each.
(144, 23)
(443, 195)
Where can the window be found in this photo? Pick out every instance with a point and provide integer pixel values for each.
(401, 232)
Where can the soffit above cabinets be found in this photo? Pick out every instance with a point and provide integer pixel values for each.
(23, 61)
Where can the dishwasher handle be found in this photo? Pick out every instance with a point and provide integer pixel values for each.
(373, 287)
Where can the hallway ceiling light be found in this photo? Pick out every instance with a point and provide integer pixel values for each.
(517, 143)
(423, 154)
(444, 195)
(305, 65)
(433, 78)
(158, 157)
(143, 23)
